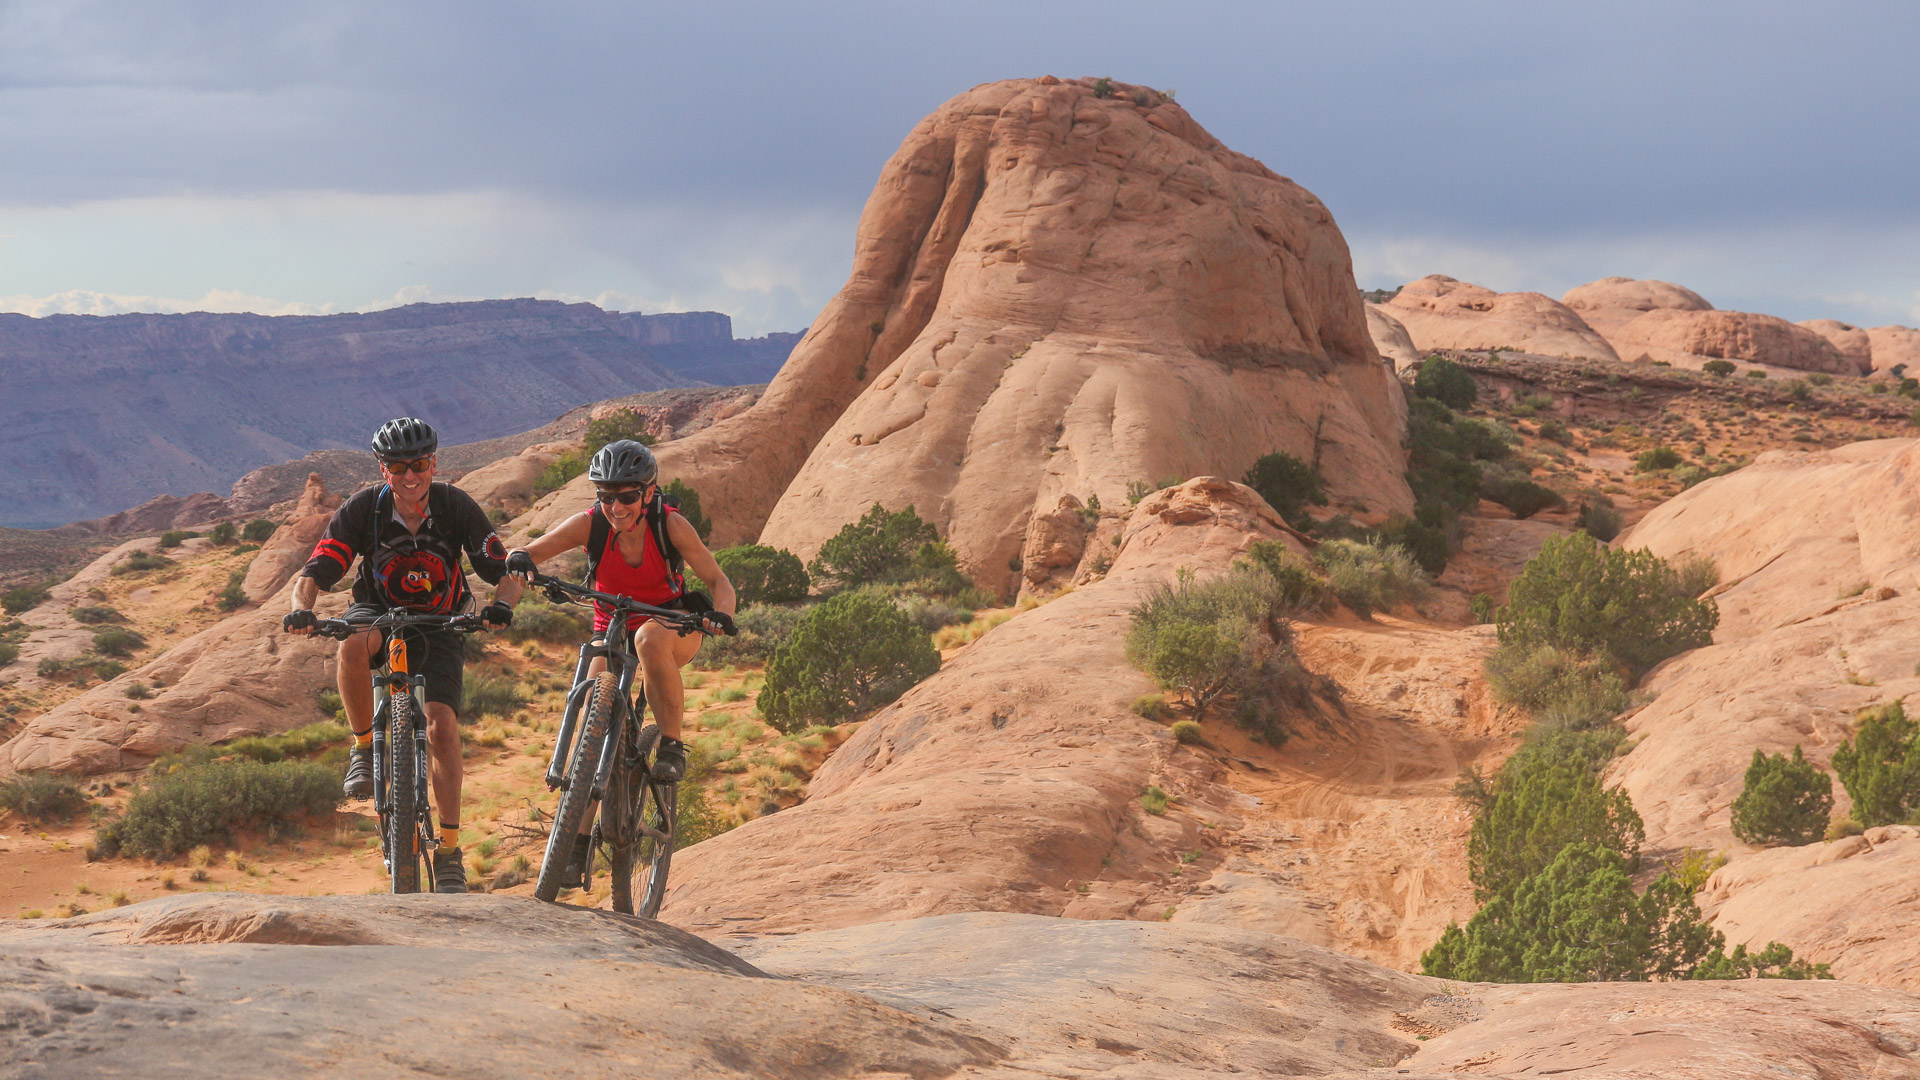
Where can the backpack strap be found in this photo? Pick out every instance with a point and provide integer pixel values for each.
(657, 521)
(598, 529)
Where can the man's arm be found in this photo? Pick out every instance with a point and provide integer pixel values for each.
(331, 557)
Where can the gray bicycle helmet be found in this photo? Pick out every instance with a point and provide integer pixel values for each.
(404, 439)
(623, 462)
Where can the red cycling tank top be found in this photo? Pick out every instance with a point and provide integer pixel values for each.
(648, 583)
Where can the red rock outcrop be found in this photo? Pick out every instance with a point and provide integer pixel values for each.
(1850, 341)
(1440, 312)
(1612, 302)
(1691, 338)
(1390, 337)
(291, 545)
(509, 481)
(1052, 294)
(1895, 346)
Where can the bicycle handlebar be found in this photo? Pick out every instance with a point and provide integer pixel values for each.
(686, 622)
(397, 619)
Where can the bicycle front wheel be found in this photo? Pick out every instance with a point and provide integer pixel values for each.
(403, 809)
(620, 814)
(578, 795)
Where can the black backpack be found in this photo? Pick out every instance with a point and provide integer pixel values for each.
(600, 528)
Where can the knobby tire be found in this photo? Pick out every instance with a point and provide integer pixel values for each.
(403, 813)
(579, 791)
(629, 796)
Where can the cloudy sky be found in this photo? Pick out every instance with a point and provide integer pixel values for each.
(282, 157)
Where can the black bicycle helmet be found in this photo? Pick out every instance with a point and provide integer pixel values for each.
(623, 462)
(405, 439)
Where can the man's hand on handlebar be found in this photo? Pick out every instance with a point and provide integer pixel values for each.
(300, 621)
(496, 615)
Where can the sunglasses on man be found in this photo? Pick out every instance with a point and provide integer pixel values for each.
(401, 468)
(624, 498)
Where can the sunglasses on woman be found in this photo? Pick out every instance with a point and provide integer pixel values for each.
(624, 498)
(401, 468)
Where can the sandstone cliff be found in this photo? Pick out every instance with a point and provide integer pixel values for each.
(1053, 294)
(1657, 320)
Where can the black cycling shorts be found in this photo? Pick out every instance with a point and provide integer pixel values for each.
(437, 654)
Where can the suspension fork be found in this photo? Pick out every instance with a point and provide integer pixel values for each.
(570, 717)
(623, 711)
(383, 703)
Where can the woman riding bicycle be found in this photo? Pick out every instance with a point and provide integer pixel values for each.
(637, 524)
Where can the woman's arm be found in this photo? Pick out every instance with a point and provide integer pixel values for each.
(686, 540)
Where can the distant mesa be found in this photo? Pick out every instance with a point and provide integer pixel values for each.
(1057, 292)
(99, 413)
(1440, 312)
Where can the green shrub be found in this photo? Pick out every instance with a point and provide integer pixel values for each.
(763, 629)
(224, 533)
(173, 538)
(1429, 544)
(764, 575)
(1225, 638)
(1555, 431)
(1660, 457)
(184, 804)
(1299, 587)
(1103, 87)
(20, 600)
(1558, 688)
(1820, 378)
(1442, 455)
(259, 530)
(139, 562)
(1288, 484)
(1481, 607)
(1446, 382)
(1598, 518)
(1538, 804)
(1756, 374)
(687, 501)
(300, 742)
(1694, 575)
(9, 652)
(558, 624)
(1717, 368)
(931, 614)
(1369, 577)
(118, 641)
(1784, 801)
(849, 654)
(233, 595)
(1523, 498)
(559, 473)
(1154, 801)
(1188, 732)
(1796, 389)
(615, 426)
(95, 614)
(880, 548)
(139, 691)
(1580, 596)
(1880, 765)
(41, 796)
(485, 693)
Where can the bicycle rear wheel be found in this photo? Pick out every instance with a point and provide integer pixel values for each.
(403, 811)
(620, 814)
(579, 790)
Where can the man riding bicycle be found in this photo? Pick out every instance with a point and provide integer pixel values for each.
(635, 543)
(408, 533)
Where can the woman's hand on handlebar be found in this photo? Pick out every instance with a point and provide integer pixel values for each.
(718, 622)
(521, 565)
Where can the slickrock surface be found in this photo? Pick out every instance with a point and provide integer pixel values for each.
(1390, 338)
(1056, 294)
(240, 986)
(1612, 302)
(1850, 341)
(1440, 312)
(1894, 346)
(240, 676)
(1691, 338)
(1853, 903)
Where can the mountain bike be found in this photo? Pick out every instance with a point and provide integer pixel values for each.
(400, 796)
(610, 763)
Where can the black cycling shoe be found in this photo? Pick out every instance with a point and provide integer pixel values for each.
(359, 783)
(670, 761)
(575, 875)
(449, 871)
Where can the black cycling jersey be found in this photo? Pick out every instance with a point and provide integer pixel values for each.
(420, 571)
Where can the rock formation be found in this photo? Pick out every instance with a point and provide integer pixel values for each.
(509, 481)
(1656, 320)
(291, 545)
(1848, 340)
(1056, 294)
(1442, 313)
(1895, 346)
(1391, 339)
